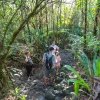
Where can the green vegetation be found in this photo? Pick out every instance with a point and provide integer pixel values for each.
(77, 81)
(32, 24)
(19, 96)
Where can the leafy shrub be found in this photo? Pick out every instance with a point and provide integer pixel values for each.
(77, 81)
(77, 42)
(93, 67)
(19, 96)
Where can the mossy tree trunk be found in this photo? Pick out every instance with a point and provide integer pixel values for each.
(4, 78)
(4, 75)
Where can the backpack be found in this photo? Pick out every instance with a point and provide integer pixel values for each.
(48, 63)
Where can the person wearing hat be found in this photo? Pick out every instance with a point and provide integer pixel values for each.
(57, 64)
(50, 69)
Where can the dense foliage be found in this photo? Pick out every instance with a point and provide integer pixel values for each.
(33, 24)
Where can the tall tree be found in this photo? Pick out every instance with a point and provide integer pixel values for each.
(85, 27)
(4, 77)
(52, 17)
(47, 20)
(96, 17)
(60, 13)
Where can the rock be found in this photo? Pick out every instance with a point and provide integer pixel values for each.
(23, 91)
(74, 96)
(39, 84)
(49, 95)
(57, 98)
(56, 92)
(41, 75)
(58, 87)
(67, 76)
(58, 80)
(68, 91)
(62, 74)
(66, 98)
(18, 82)
(68, 57)
(51, 89)
(40, 97)
(17, 75)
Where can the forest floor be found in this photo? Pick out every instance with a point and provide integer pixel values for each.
(33, 89)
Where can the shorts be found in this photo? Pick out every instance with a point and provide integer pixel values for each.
(50, 72)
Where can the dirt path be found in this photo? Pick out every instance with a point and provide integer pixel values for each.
(33, 87)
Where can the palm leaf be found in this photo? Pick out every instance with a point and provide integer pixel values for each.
(84, 60)
(76, 88)
(80, 80)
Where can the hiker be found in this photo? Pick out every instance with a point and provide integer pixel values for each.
(54, 46)
(49, 61)
(28, 63)
(57, 64)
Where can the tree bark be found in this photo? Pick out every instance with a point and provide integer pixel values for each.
(52, 18)
(57, 18)
(96, 18)
(29, 32)
(85, 29)
(47, 20)
(60, 14)
(82, 10)
(3, 76)
(7, 27)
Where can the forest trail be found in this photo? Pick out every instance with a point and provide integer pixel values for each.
(33, 88)
(28, 25)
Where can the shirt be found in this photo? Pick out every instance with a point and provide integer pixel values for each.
(49, 54)
(28, 59)
(58, 59)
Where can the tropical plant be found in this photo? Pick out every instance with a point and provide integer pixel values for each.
(84, 61)
(93, 69)
(96, 67)
(19, 96)
(79, 81)
(77, 42)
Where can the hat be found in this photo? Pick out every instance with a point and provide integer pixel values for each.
(57, 52)
(51, 48)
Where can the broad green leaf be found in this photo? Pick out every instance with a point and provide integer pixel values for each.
(98, 67)
(94, 65)
(76, 88)
(80, 80)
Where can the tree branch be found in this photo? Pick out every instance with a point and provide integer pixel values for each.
(16, 32)
(6, 29)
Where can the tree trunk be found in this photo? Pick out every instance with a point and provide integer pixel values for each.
(96, 18)
(64, 17)
(52, 18)
(47, 21)
(60, 13)
(57, 19)
(29, 32)
(4, 79)
(85, 30)
(82, 10)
